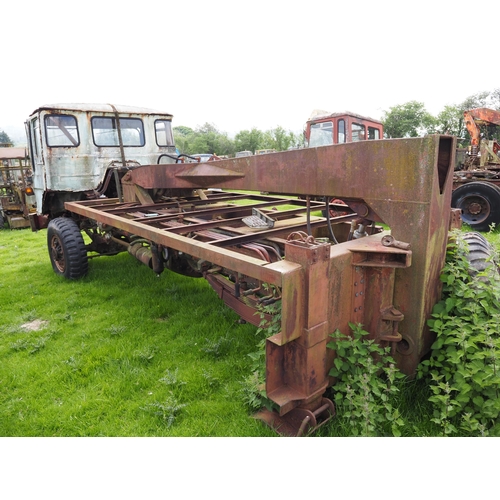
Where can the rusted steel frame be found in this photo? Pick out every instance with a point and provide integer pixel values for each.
(218, 210)
(195, 226)
(114, 206)
(412, 196)
(296, 372)
(297, 367)
(269, 273)
(251, 247)
(277, 201)
(203, 212)
(350, 171)
(276, 232)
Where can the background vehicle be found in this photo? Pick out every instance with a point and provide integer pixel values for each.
(203, 157)
(16, 193)
(476, 181)
(264, 151)
(240, 154)
(324, 129)
(80, 152)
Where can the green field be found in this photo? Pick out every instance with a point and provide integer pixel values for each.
(123, 352)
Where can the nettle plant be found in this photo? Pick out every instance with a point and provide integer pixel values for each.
(463, 370)
(366, 384)
(254, 392)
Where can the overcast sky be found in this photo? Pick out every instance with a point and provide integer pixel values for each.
(244, 64)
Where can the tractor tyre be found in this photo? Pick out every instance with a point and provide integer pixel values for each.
(2, 221)
(67, 251)
(480, 204)
(480, 252)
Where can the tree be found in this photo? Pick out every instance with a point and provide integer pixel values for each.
(479, 100)
(4, 138)
(182, 136)
(280, 139)
(450, 121)
(408, 120)
(249, 140)
(205, 139)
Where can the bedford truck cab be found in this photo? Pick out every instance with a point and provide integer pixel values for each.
(78, 151)
(325, 129)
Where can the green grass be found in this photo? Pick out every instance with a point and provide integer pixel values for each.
(125, 353)
(122, 353)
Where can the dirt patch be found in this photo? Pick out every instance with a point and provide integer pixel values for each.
(37, 324)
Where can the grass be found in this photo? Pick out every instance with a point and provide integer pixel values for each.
(119, 353)
(125, 353)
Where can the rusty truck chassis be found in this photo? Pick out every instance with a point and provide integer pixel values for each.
(323, 275)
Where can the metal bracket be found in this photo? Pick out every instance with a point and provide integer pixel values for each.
(258, 220)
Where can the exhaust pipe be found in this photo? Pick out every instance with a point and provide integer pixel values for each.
(149, 255)
(141, 253)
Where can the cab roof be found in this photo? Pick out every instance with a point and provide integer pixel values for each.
(320, 114)
(102, 108)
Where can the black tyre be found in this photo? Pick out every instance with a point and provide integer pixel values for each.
(2, 221)
(480, 252)
(66, 248)
(480, 204)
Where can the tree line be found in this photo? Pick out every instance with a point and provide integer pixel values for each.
(411, 119)
(208, 139)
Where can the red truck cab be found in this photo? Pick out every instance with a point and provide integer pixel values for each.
(324, 129)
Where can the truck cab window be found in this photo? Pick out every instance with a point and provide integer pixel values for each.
(61, 131)
(35, 133)
(105, 131)
(358, 132)
(321, 134)
(341, 132)
(163, 131)
(373, 133)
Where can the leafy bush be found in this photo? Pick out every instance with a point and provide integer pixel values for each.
(366, 384)
(463, 370)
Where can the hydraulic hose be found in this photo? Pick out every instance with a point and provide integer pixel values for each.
(330, 230)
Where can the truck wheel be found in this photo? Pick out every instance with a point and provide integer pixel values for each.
(2, 222)
(480, 204)
(67, 248)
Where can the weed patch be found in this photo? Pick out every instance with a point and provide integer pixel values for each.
(463, 371)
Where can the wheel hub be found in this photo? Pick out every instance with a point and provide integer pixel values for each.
(474, 208)
(57, 254)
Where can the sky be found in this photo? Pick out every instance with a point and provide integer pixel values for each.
(239, 65)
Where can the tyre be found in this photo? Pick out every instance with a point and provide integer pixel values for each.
(67, 252)
(480, 204)
(2, 221)
(480, 252)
